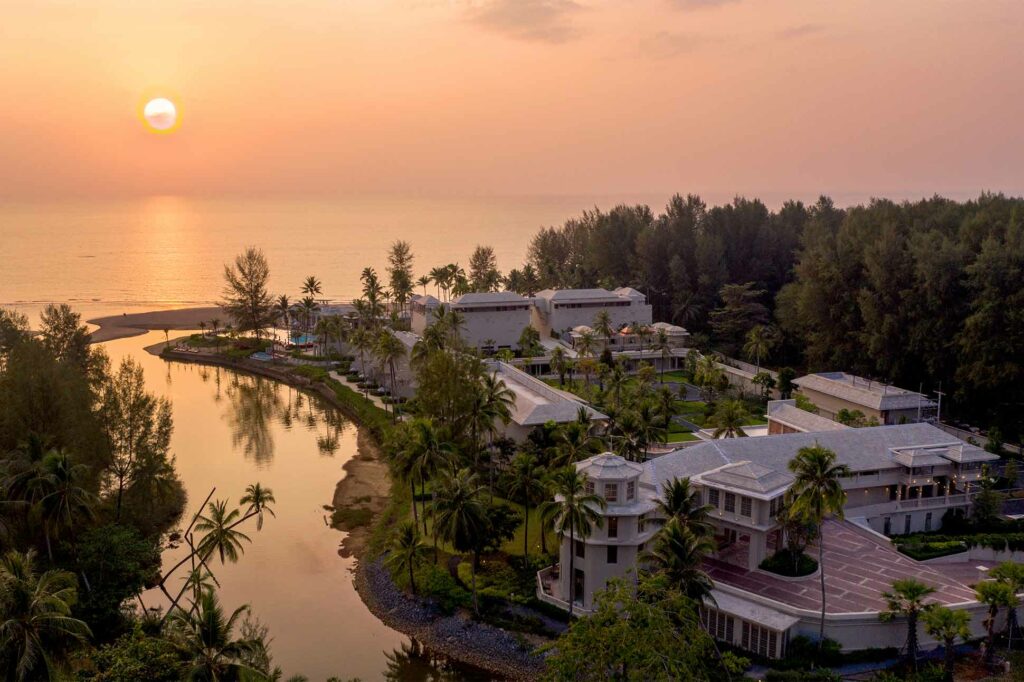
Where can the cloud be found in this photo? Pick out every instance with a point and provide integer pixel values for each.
(701, 4)
(666, 44)
(800, 31)
(545, 21)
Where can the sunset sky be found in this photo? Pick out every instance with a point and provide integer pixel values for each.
(512, 96)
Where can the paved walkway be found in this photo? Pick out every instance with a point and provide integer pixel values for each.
(375, 399)
(858, 568)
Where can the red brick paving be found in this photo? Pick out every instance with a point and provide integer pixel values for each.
(858, 568)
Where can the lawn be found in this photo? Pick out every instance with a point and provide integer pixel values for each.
(681, 437)
(511, 547)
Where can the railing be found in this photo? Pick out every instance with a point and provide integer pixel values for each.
(893, 506)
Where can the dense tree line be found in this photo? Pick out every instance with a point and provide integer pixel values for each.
(917, 293)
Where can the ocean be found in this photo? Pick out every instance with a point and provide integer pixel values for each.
(109, 257)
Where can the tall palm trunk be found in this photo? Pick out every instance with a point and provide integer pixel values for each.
(950, 658)
(572, 565)
(821, 570)
(412, 492)
(423, 501)
(526, 528)
(476, 560)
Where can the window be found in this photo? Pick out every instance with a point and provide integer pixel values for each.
(718, 624)
(906, 524)
(613, 526)
(630, 491)
(590, 487)
(887, 530)
(745, 506)
(713, 497)
(613, 554)
(611, 492)
(776, 506)
(760, 640)
(927, 522)
(730, 503)
(581, 549)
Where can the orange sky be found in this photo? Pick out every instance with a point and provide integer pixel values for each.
(513, 96)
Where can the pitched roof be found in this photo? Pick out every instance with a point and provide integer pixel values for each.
(749, 477)
(786, 412)
(859, 391)
(609, 466)
(535, 402)
(577, 294)
(866, 449)
(489, 297)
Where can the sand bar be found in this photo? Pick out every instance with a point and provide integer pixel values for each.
(136, 324)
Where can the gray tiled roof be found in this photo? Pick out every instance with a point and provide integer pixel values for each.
(609, 466)
(490, 297)
(866, 449)
(858, 391)
(786, 411)
(576, 294)
(536, 403)
(749, 476)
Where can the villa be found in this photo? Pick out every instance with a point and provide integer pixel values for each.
(834, 391)
(558, 311)
(536, 403)
(785, 417)
(491, 320)
(903, 479)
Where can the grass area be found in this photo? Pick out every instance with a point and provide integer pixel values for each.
(311, 372)
(363, 411)
(683, 437)
(676, 375)
(513, 547)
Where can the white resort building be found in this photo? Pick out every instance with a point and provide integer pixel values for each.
(492, 320)
(558, 311)
(834, 391)
(903, 479)
(536, 403)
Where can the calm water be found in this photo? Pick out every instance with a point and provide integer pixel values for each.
(144, 254)
(232, 429)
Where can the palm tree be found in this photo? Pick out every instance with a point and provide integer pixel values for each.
(205, 638)
(202, 328)
(460, 517)
(215, 326)
(406, 551)
(363, 341)
(259, 500)
(64, 500)
(525, 481)
(907, 599)
(815, 494)
(430, 452)
(728, 419)
(439, 276)
(423, 282)
(36, 627)
(560, 364)
(603, 326)
(680, 500)
(574, 443)
(947, 625)
(311, 286)
(759, 342)
(498, 401)
(662, 345)
(680, 553)
(220, 533)
(573, 512)
(585, 344)
(308, 307)
(708, 376)
(666, 403)
(995, 595)
(390, 350)
(1012, 574)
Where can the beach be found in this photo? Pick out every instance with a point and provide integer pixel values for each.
(135, 324)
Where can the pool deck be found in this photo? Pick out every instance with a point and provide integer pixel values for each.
(858, 568)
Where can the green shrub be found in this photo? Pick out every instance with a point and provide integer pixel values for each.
(311, 372)
(782, 563)
(820, 675)
(922, 551)
(348, 518)
(437, 584)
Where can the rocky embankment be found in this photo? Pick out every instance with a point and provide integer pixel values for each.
(456, 636)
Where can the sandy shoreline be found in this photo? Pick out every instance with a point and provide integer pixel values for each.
(135, 324)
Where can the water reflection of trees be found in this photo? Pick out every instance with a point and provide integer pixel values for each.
(255, 405)
(413, 662)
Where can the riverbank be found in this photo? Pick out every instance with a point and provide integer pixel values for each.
(366, 489)
(457, 636)
(136, 324)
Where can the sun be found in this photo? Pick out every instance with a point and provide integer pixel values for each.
(161, 115)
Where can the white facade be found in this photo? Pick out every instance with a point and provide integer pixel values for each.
(560, 311)
(535, 403)
(491, 321)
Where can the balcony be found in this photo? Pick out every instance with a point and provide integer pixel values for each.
(549, 590)
(896, 506)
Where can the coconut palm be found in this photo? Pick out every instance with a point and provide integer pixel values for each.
(728, 419)
(259, 500)
(815, 494)
(947, 626)
(439, 276)
(664, 348)
(574, 512)
(498, 401)
(1012, 574)
(308, 307)
(995, 595)
(575, 442)
(36, 627)
(907, 600)
(708, 376)
(525, 482)
(680, 500)
(389, 350)
(220, 533)
(423, 281)
(362, 340)
(215, 327)
(603, 326)
(665, 401)
(680, 554)
(311, 286)
(460, 517)
(205, 637)
(560, 364)
(585, 344)
(64, 501)
(202, 328)
(406, 551)
(759, 343)
(431, 452)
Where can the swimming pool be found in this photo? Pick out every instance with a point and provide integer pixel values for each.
(302, 339)
(261, 356)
